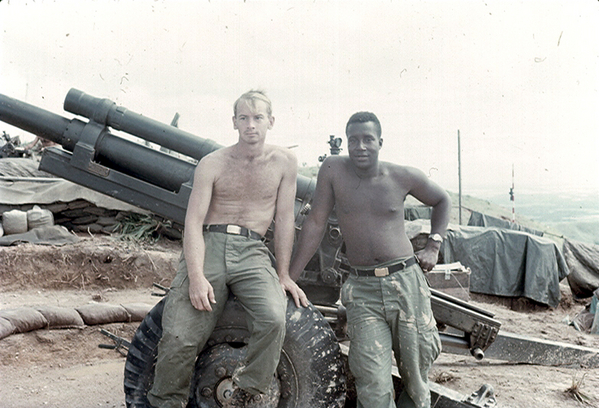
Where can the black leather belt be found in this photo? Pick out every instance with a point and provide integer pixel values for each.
(233, 230)
(386, 270)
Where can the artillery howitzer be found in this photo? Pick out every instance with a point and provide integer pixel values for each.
(311, 373)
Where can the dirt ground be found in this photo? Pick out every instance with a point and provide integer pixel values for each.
(66, 368)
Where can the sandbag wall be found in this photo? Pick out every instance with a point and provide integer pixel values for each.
(25, 319)
(77, 216)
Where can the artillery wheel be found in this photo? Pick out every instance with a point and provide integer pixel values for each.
(310, 374)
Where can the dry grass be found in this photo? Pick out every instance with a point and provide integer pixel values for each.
(575, 391)
(444, 377)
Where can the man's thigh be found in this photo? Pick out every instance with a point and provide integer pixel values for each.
(254, 281)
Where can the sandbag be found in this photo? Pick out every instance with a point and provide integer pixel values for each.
(39, 217)
(61, 317)
(14, 222)
(583, 321)
(24, 319)
(6, 328)
(583, 262)
(100, 313)
(137, 311)
(51, 235)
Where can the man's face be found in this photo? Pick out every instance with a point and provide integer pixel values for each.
(252, 122)
(363, 144)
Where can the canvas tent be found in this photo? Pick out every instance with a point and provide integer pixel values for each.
(503, 262)
(508, 262)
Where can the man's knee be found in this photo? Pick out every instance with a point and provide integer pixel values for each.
(274, 322)
(273, 314)
(178, 346)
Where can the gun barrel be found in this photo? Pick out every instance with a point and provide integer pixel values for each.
(106, 112)
(111, 151)
(32, 119)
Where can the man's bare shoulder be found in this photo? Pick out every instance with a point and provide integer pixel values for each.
(334, 164)
(212, 162)
(409, 178)
(334, 169)
(217, 156)
(403, 172)
(279, 153)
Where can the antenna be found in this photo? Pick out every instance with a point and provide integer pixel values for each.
(512, 199)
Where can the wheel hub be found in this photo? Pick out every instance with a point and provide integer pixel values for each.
(212, 385)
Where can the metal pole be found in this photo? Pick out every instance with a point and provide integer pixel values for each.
(512, 198)
(460, 178)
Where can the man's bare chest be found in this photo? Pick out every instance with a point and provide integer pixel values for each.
(247, 183)
(362, 198)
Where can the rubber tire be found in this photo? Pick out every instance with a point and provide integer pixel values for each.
(310, 355)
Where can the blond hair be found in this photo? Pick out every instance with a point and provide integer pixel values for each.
(250, 97)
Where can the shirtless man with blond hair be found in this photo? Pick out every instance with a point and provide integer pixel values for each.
(237, 191)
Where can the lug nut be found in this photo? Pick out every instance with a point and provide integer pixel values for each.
(220, 372)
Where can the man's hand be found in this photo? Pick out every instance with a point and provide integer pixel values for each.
(427, 258)
(296, 292)
(201, 294)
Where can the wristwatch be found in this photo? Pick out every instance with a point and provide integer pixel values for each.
(436, 237)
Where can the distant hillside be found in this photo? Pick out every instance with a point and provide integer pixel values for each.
(470, 204)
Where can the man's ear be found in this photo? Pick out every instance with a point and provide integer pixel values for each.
(234, 123)
(272, 122)
(380, 142)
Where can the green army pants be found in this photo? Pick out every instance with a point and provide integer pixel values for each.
(387, 315)
(235, 263)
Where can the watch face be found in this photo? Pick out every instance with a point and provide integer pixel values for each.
(436, 237)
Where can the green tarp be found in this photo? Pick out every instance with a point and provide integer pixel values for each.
(508, 262)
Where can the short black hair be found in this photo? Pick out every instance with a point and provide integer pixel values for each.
(363, 117)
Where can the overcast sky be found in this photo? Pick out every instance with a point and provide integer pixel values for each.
(518, 79)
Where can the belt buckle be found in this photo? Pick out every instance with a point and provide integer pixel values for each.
(233, 229)
(381, 271)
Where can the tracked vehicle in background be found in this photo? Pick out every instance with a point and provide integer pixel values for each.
(312, 372)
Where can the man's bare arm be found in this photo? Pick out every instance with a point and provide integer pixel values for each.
(284, 220)
(433, 195)
(285, 229)
(315, 224)
(201, 292)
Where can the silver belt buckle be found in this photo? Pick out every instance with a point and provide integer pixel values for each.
(233, 229)
(381, 271)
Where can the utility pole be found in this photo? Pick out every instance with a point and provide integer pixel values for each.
(459, 180)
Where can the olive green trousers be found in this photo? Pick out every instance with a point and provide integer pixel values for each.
(391, 315)
(243, 266)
